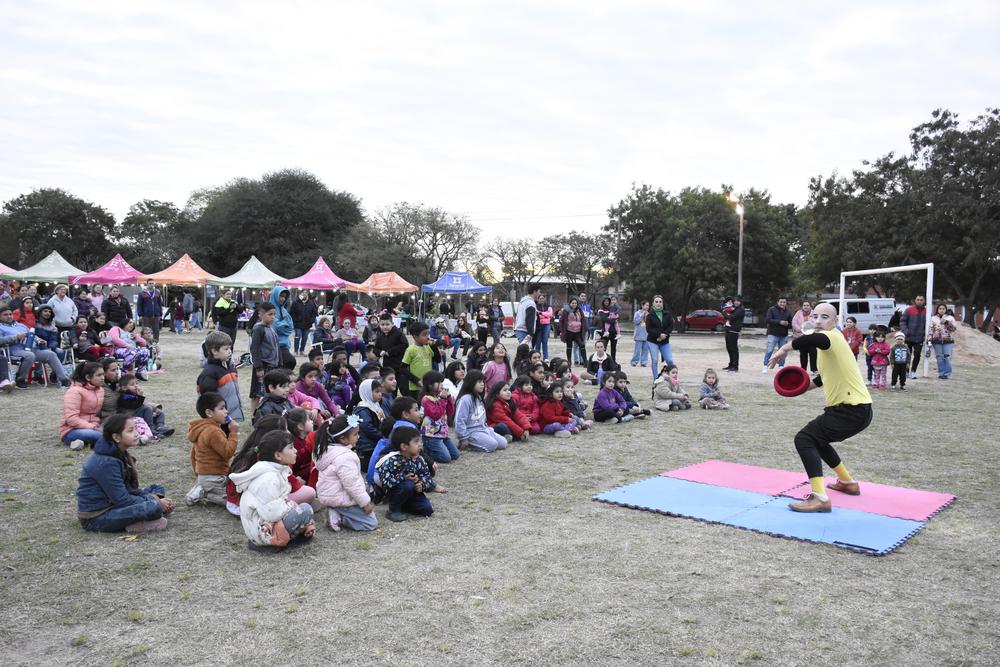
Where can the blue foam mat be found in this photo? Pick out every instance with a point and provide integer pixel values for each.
(680, 497)
(850, 529)
(859, 531)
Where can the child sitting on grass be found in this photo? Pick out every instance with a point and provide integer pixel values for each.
(370, 414)
(341, 486)
(315, 357)
(575, 404)
(404, 476)
(610, 406)
(667, 390)
(405, 411)
(711, 397)
(526, 400)
(149, 420)
(470, 416)
(213, 437)
(310, 385)
(270, 518)
(439, 408)
(341, 385)
(219, 373)
(553, 416)
(502, 414)
(246, 457)
(304, 439)
(276, 385)
(108, 497)
(621, 386)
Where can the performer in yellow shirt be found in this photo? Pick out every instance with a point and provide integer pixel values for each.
(848, 408)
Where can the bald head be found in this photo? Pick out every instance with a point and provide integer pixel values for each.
(824, 316)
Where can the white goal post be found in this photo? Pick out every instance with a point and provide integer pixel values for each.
(894, 269)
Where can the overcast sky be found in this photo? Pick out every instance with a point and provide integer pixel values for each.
(530, 117)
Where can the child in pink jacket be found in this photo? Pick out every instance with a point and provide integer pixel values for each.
(341, 486)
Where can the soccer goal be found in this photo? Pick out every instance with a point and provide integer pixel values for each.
(894, 269)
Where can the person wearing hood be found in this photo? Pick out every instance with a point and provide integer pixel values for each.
(213, 437)
(269, 518)
(108, 497)
(283, 325)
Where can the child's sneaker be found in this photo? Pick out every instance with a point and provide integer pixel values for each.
(77, 445)
(868, 383)
(628, 418)
(196, 493)
(333, 519)
(147, 526)
(562, 434)
(509, 438)
(397, 517)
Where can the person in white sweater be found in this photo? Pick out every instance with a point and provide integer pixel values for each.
(341, 486)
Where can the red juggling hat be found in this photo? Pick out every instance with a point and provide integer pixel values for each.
(792, 381)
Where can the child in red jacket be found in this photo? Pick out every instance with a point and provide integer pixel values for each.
(553, 416)
(502, 413)
(526, 401)
(302, 431)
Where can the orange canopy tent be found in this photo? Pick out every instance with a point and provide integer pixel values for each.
(387, 282)
(184, 271)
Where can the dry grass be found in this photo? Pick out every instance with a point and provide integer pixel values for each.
(518, 565)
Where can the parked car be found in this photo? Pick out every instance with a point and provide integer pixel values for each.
(708, 320)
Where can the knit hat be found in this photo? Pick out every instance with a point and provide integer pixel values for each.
(900, 335)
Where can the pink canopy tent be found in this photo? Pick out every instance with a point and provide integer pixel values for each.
(320, 276)
(115, 271)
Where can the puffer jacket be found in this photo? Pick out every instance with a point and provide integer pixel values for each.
(102, 484)
(81, 408)
(502, 413)
(263, 490)
(341, 483)
(551, 411)
(913, 323)
(527, 404)
(211, 446)
(664, 392)
(942, 329)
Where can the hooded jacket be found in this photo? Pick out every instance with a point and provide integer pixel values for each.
(527, 404)
(341, 483)
(81, 408)
(283, 324)
(913, 323)
(264, 490)
(221, 377)
(609, 400)
(211, 447)
(551, 411)
(501, 412)
(102, 484)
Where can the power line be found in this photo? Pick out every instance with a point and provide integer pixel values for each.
(542, 217)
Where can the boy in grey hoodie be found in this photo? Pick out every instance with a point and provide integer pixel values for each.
(263, 350)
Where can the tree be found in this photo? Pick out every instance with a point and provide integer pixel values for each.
(52, 219)
(583, 260)
(153, 234)
(286, 218)
(521, 263)
(433, 240)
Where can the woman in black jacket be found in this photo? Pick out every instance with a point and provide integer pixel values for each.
(304, 312)
(659, 326)
(116, 308)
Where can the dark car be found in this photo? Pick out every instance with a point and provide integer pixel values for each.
(708, 320)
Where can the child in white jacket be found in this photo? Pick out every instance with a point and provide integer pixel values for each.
(269, 517)
(341, 486)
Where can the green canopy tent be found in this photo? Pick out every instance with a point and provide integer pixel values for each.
(52, 269)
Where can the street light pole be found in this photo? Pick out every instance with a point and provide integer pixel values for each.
(734, 199)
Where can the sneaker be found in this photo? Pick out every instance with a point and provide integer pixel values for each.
(868, 383)
(6, 386)
(913, 376)
(902, 388)
(851, 488)
(509, 438)
(147, 526)
(166, 433)
(77, 445)
(333, 520)
(764, 370)
(21, 383)
(811, 504)
(398, 517)
(196, 493)
(566, 434)
(626, 418)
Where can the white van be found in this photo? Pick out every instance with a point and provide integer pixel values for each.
(873, 310)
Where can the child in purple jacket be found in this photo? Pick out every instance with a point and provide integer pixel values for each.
(609, 404)
(310, 385)
(342, 385)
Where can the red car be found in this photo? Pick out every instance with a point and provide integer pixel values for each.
(709, 320)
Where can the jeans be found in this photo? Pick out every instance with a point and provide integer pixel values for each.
(117, 518)
(351, 347)
(195, 320)
(459, 342)
(355, 518)
(576, 348)
(496, 333)
(773, 343)
(301, 340)
(29, 357)
(503, 430)
(88, 435)
(155, 420)
(404, 497)
(298, 519)
(666, 355)
(178, 326)
(442, 450)
(640, 355)
(520, 335)
(942, 353)
(542, 339)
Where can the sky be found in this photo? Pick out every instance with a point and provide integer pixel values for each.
(530, 118)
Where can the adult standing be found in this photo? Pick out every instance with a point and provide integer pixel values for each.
(496, 320)
(639, 336)
(188, 304)
(444, 309)
(659, 326)
(226, 313)
(913, 324)
(196, 313)
(150, 308)
(734, 324)
(97, 297)
(544, 327)
(116, 308)
(588, 313)
(527, 314)
(64, 310)
(807, 355)
(778, 320)
(942, 339)
(607, 324)
(573, 332)
(848, 409)
(304, 312)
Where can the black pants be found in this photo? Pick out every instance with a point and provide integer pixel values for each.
(606, 415)
(577, 339)
(899, 373)
(808, 357)
(733, 348)
(836, 424)
(914, 349)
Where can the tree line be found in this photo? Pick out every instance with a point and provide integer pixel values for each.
(939, 203)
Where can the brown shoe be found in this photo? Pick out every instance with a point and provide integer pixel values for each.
(851, 488)
(811, 504)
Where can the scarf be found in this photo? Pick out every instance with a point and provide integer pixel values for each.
(368, 400)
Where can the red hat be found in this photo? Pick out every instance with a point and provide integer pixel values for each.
(791, 381)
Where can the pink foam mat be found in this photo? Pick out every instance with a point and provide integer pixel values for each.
(756, 479)
(886, 500)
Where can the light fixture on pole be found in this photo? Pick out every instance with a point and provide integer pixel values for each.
(735, 200)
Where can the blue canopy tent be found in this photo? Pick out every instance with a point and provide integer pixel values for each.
(455, 282)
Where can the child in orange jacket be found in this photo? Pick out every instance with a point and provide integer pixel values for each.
(213, 437)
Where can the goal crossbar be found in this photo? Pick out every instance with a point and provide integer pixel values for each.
(896, 269)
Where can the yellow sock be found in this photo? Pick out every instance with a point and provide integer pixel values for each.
(842, 473)
(817, 486)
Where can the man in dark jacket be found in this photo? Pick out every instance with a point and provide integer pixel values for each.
(304, 312)
(150, 308)
(390, 343)
(734, 324)
(778, 320)
(116, 308)
(913, 324)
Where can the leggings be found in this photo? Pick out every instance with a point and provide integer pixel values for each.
(581, 344)
(836, 424)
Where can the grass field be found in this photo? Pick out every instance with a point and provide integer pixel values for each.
(518, 565)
